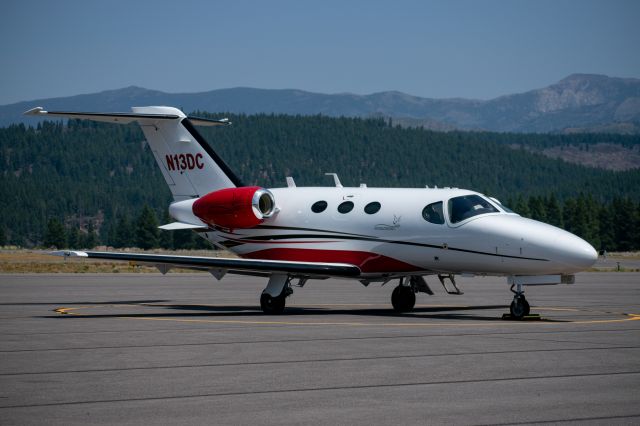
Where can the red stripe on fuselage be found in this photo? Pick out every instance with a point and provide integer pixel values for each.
(366, 261)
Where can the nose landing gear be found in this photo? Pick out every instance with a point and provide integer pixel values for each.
(519, 308)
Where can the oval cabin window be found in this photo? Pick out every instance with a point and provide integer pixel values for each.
(372, 208)
(319, 206)
(345, 207)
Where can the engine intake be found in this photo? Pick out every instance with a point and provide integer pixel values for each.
(243, 207)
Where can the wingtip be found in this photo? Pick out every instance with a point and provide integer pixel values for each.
(35, 111)
(209, 122)
(68, 253)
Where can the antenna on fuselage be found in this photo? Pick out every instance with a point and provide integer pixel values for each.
(336, 179)
(290, 182)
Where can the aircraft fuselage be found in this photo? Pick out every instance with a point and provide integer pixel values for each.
(396, 239)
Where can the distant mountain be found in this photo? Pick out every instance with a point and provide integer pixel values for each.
(578, 103)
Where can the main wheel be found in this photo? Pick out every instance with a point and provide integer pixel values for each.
(403, 298)
(272, 305)
(519, 307)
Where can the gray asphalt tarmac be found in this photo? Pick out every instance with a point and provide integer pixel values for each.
(186, 349)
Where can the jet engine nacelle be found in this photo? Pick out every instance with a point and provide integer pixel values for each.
(243, 207)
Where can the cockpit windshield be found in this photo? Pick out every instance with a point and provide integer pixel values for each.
(466, 206)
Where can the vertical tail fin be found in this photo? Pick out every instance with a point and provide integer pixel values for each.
(189, 165)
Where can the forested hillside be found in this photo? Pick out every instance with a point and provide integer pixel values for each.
(96, 178)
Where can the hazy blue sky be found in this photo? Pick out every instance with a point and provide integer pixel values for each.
(474, 49)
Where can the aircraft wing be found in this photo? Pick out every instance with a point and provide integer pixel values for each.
(219, 266)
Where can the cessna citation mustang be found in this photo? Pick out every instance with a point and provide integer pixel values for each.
(294, 234)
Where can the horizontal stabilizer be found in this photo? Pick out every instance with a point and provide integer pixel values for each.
(111, 117)
(174, 226)
(126, 117)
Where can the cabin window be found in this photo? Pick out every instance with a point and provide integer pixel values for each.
(433, 213)
(319, 206)
(466, 206)
(345, 207)
(372, 208)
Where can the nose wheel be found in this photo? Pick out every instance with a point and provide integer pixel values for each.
(519, 308)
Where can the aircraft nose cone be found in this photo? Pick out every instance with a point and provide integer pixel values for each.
(563, 251)
(576, 252)
(584, 254)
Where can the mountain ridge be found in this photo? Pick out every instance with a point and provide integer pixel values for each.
(577, 103)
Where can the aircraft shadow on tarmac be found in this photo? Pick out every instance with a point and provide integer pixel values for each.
(475, 313)
(119, 302)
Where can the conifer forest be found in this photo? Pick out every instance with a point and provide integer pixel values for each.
(81, 184)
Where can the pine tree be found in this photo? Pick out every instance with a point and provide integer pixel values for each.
(581, 219)
(581, 216)
(92, 238)
(624, 223)
(110, 235)
(54, 235)
(635, 230)
(73, 238)
(123, 233)
(521, 207)
(147, 229)
(3, 236)
(592, 208)
(166, 237)
(569, 215)
(605, 225)
(554, 213)
(201, 243)
(183, 239)
(510, 203)
(537, 209)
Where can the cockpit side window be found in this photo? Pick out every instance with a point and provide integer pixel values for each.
(466, 206)
(502, 206)
(432, 213)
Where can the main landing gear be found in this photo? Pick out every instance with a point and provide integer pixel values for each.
(403, 297)
(519, 307)
(272, 305)
(273, 297)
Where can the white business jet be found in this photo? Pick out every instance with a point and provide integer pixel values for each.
(294, 234)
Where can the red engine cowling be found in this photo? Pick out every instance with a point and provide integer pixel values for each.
(243, 207)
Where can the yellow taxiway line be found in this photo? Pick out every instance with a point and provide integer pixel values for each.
(628, 317)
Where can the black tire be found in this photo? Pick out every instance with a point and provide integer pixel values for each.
(519, 308)
(403, 299)
(272, 305)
